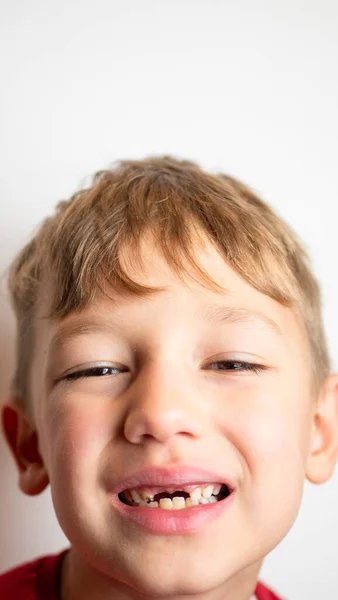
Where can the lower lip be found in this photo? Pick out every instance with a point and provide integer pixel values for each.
(165, 522)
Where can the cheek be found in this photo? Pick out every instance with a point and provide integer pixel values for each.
(267, 429)
(268, 424)
(80, 432)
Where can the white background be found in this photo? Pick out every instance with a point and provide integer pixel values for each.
(248, 87)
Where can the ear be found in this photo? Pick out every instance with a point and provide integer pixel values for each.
(22, 440)
(324, 440)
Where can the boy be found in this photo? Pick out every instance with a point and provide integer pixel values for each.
(173, 386)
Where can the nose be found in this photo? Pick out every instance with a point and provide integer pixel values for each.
(162, 406)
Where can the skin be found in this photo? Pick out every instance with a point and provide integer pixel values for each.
(173, 404)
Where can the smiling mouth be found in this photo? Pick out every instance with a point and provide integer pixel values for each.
(175, 499)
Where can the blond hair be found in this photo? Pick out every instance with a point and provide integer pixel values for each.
(79, 246)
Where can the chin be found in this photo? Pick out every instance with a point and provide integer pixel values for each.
(168, 577)
(174, 585)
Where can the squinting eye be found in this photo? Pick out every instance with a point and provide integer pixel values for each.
(235, 365)
(93, 372)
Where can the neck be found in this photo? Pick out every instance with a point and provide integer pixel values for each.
(80, 581)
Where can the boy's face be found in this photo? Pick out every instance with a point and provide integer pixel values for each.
(173, 401)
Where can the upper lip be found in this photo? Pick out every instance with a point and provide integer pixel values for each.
(175, 475)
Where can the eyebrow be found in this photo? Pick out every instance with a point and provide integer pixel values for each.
(213, 315)
(234, 314)
(79, 329)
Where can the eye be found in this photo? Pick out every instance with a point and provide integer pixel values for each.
(235, 366)
(94, 372)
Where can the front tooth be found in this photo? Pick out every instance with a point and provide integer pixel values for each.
(207, 492)
(196, 493)
(135, 496)
(166, 503)
(178, 502)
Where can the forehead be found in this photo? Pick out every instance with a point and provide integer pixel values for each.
(146, 265)
(187, 295)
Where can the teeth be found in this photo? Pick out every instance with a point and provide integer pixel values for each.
(135, 496)
(146, 496)
(204, 494)
(178, 502)
(192, 502)
(166, 503)
(196, 493)
(208, 491)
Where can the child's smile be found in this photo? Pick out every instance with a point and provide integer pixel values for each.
(172, 500)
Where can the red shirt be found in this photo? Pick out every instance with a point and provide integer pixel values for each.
(40, 580)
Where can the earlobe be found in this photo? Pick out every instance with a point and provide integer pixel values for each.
(22, 440)
(323, 452)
